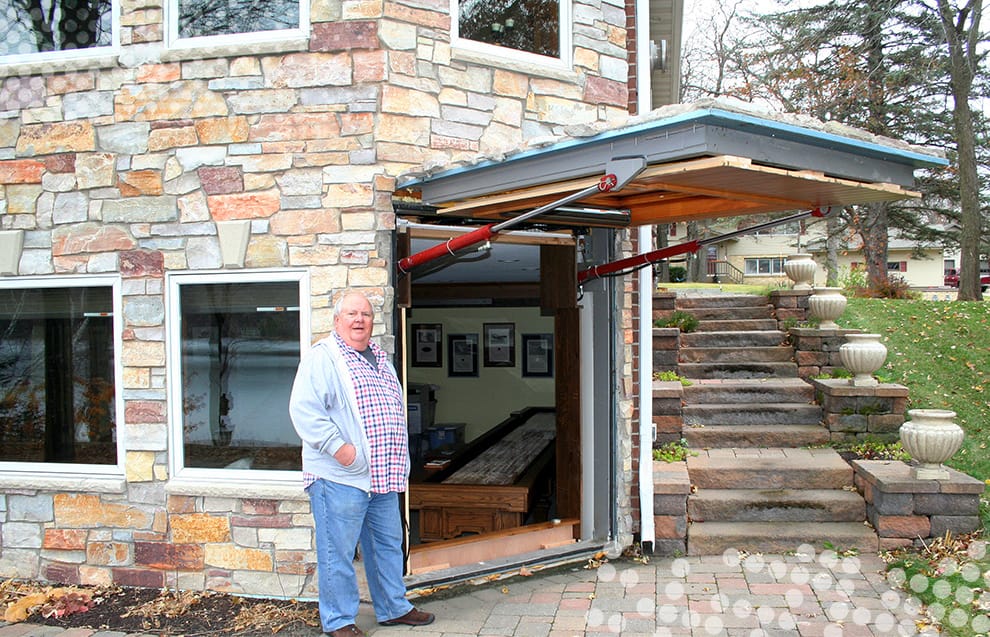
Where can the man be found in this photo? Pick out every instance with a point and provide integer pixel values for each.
(347, 407)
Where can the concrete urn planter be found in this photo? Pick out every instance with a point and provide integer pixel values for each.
(800, 268)
(863, 354)
(931, 436)
(826, 305)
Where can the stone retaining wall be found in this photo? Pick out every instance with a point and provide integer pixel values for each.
(854, 413)
(906, 511)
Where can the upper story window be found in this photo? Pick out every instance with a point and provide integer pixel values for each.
(226, 21)
(66, 28)
(236, 342)
(525, 28)
(58, 402)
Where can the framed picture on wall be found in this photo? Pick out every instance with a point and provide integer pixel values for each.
(500, 344)
(537, 354)
(427, 345)
(462, 355)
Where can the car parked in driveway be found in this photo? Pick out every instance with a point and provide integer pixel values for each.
(952, 279)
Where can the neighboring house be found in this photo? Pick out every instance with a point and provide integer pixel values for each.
(759, 258)
(179, 209)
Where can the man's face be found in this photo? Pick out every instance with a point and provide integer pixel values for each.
(354, 322)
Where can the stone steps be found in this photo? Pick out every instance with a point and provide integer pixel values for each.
(775, 468)
(738, 370)
(776, 505)
(737, 354)
(737, 325)
(749, 390)
(714, 538)
(742, 338)
(771, 414)
(717, 313)
(761, 480)
(730, 301)
(700, 437)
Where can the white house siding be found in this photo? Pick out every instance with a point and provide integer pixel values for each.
(124, 165)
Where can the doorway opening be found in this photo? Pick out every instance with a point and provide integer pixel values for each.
(490, 353)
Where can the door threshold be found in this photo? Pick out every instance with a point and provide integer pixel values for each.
(482, 572)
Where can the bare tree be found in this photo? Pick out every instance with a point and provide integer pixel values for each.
(961, 28)
(38, 26)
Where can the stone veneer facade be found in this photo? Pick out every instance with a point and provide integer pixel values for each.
(123, 165)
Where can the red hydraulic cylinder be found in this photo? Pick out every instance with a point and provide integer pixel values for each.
(452, 245)
(640, 259)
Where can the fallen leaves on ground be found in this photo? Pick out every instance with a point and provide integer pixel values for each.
(165, 611)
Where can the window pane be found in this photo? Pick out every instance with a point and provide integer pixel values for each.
(240, 350)
(778, 265)
(38, 26)
(224, 17)
(526, 25)
(752, 266)
(57, 375)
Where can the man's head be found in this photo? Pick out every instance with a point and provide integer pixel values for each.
(353, 319)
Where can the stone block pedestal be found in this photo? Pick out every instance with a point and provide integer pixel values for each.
(906, 511)
(671, 488)
(854, 413)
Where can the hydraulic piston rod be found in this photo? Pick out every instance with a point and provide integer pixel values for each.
(619, 172)
(648, 258)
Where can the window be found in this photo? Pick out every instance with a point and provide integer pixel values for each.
(58, 403)
(70, 27)
(227, 19)
(897, 266)
(531, 27)
(235, 345)
(765, 266)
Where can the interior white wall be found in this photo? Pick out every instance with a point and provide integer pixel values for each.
(484, 401)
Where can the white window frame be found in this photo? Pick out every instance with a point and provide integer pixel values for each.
(77, 475)
(198, 477)
(764, 274)
(75, 54)
(494, 52)
(174, 41)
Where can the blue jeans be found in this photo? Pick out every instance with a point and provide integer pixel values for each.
(343, 515)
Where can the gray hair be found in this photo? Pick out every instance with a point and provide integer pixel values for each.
(339, 303)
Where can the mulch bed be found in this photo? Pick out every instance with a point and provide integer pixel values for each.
(161, 612)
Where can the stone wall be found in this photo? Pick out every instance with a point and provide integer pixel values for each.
(853, 413)
(907, 511)
(125, 164)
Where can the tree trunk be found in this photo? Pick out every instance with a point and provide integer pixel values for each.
(962, 51)
(695, 261)
(663, 234)
(832, 236)
(873, 230)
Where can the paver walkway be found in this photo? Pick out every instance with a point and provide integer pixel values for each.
(807, 594)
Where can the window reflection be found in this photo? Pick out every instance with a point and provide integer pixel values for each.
(42, 26)
(199, 18)
(57, 376)
(527, 25)
(240, 350)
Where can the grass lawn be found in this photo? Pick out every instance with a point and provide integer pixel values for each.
(940, 351)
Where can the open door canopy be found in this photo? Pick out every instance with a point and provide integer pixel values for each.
(701, 163)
